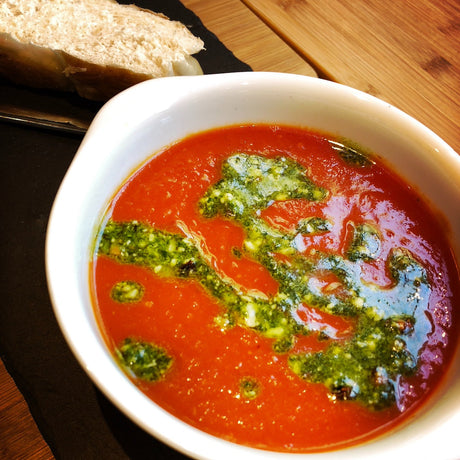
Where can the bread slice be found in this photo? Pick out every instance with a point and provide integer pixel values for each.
(94, 47)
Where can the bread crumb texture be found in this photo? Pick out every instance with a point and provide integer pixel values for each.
(103, 33)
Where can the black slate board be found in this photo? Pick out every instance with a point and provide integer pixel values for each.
(75, 418)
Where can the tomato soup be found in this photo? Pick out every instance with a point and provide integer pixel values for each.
(277, 288)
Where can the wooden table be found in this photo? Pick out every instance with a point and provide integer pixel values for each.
(404, 52)
(407, 53)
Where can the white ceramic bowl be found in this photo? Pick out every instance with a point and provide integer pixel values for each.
(144, 119)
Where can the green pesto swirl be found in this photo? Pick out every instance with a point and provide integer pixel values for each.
(390, 322)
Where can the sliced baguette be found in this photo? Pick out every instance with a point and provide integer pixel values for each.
(94, 47)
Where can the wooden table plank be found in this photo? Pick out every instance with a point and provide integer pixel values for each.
(250, 39)
(19, 435)
(405, 52)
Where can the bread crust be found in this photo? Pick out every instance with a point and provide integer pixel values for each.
(40, 67)
(97, 82)
(31, 65)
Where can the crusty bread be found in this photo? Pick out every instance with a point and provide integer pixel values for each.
(94, 47)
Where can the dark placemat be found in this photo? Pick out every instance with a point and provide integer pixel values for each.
(75, 418)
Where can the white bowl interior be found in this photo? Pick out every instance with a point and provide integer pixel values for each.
(142, 121)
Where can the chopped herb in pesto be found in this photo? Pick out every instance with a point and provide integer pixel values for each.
(284, 344)
(249, 388)
(365, 244)
(252, 182)
(365, 368)
(172, 255)
(390, 321)
(167, 254)
(351, 153)
(237, 252)
(323, 336)
(143, 360)
(127, 291)
(313, 225)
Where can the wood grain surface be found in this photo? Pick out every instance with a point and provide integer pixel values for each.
(19, 435)
(404, 52)
(250, 39)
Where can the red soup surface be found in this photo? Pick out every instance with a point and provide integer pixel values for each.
(276, 288)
